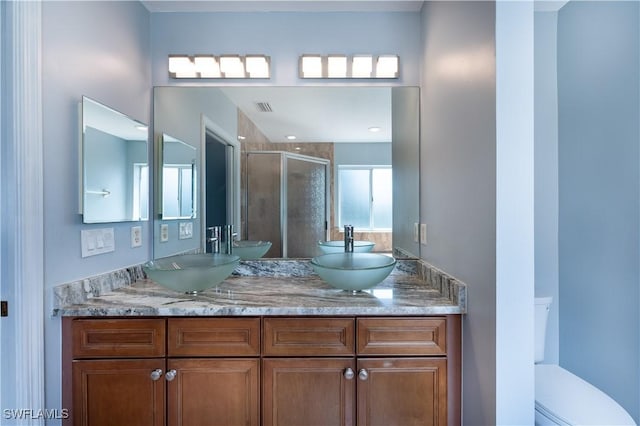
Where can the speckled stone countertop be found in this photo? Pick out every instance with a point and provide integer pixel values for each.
(265, 288)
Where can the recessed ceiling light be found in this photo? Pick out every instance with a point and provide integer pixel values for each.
(298, 148)
(374, 129)
(241, 138)
(291, 137)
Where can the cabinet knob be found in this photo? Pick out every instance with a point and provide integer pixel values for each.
(156, 374)
(363, 375)
(171, 374)
(349, 374)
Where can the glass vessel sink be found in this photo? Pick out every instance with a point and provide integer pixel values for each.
(248, 249)
(191, 273)
(337, 246)
(353, 271)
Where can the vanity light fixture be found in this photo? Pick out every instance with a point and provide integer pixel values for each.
(343, 66)
(222, 66)
(362, 66)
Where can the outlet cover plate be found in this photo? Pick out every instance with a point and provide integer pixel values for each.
(164, 233)
(423, 234)
(136, 236)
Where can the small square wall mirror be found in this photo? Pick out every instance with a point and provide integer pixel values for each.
(114, 166)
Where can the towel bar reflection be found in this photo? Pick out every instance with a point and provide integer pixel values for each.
(105, 192)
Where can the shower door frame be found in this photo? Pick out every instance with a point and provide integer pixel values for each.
(284, 155)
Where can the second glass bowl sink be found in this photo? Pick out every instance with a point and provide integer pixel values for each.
(337, 246)
(353, 271)
(247, 249)
(191, 273)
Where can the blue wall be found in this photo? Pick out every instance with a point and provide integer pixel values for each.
(458, 177)
(599, 190)
(101, 50)
(546, 172)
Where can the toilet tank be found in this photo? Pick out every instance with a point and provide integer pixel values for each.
(541, 315)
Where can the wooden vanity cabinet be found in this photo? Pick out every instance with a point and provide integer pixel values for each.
(162, 371)
(216, 362)
(361, 371)
(116, 371)
(305, 364)
(262, 371)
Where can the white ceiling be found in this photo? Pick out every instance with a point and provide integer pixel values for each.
(317, 114)
(282, 6)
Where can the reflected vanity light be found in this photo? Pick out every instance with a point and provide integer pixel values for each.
(223, 66)
(343, 66)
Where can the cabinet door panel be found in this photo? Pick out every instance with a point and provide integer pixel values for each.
(309, 336)
(213, 337)
(309, 392)
(402, 392)
(118, 392)
(118, 338)
(402, 336)
(214, 392)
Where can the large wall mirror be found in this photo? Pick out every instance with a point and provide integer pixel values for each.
(114, 167)
(244, 140)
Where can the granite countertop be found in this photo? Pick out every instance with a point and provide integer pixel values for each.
(412, 289)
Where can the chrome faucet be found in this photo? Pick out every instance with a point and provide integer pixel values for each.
(216, 236)
(348, 238)
(229, 235)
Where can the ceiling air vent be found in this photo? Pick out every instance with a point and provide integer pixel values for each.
(263, 107)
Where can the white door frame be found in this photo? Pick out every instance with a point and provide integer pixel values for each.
(22, 211)
(233, 176)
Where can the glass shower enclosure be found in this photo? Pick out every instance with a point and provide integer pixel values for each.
(287, 202)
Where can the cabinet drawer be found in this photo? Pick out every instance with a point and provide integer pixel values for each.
(309, 336)
(402, 336)
(213, 337)
(118, 338)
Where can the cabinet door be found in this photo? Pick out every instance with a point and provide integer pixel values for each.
(308, 391)
(402, 391)
(213, 392)
(118, 392)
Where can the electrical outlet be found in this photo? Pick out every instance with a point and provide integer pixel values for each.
(164, 233)
(423, 234)
(136, 236)
(416, 233)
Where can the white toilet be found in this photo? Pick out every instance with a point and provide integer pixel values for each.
(562, 398)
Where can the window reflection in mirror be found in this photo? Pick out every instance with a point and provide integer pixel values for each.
(365, 197)
(178, 179)
(115, 170)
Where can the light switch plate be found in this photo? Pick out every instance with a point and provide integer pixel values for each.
(186, 230)
(97, 241)
(136, 236)
(423, 234)
(164, 233)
